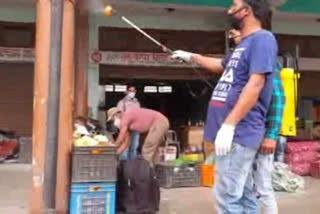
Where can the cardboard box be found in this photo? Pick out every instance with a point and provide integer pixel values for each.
(193, 135)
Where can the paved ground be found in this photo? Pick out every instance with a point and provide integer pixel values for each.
(200, 201)
(15, 181)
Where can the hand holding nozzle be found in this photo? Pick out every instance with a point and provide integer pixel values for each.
(182, 56)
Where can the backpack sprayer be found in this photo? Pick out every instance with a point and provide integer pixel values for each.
(290, 77)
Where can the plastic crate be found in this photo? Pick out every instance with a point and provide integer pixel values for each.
(315, 169)
(92, 198)
(94, 164)
(207, 174)
(182, 176)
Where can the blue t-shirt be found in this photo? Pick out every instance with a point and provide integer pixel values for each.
(256, 54)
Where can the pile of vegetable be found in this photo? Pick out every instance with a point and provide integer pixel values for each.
(182, 162)
(81, 137)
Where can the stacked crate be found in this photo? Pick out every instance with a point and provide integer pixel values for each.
(94, 176)
(178, 176)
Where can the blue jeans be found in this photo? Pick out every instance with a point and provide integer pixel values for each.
(280, 150)
(262, 176)
(130, 153)
(249, 199)
(234, 184)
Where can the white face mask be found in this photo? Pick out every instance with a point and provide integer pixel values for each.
(131, 95)
(117, 122)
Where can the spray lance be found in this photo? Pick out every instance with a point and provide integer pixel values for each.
(109, 11)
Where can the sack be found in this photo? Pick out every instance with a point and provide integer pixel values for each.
(315, 169)
(302, 169)
(305, 146)
(138, 188)
(302, 157)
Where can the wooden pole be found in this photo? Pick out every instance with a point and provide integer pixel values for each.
(46, 105)
(66, 109)
(81, 58)
(41, 81)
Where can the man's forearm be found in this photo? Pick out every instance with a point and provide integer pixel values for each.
(247, 99)
(121, 136)
(124, 145)
(212, 64)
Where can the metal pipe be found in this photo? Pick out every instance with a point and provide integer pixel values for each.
(164, 48)
(110, 10)
(53, 105)
(141, 31)
(125, 19)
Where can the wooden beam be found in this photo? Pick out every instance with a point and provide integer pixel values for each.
(41, 81)
(81, 58)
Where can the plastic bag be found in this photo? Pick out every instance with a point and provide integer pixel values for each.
(284, 180)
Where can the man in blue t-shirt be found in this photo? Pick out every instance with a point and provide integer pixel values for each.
(239, 103)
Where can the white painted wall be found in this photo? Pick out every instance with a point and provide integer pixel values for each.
(17, 14)
(296, 24)
(297, 27)
(93, 69)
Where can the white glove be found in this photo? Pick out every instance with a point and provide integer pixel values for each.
(224, 139)
(185, 56)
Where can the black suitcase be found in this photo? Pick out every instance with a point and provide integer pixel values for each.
(138, 190)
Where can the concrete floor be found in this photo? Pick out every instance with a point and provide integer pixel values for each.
(15, 181)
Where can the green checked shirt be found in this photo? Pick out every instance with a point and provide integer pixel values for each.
(274, 116)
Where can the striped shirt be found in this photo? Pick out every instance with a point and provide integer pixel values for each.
(274, 116)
